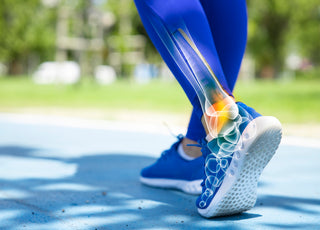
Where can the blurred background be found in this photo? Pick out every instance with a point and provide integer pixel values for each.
(93, 59)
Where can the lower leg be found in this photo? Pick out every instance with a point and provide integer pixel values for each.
(228, 24)
(183, 37)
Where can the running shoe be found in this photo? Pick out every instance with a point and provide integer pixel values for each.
(171, 171)
(234, 162)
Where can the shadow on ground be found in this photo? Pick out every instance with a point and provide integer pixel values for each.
(102, 191)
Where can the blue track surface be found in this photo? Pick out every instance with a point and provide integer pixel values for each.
(60, 177)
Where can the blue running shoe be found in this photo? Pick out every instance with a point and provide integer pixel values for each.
(174, 172)
(234, 162)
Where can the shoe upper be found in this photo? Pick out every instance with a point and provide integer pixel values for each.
(218, 154)
(171, 165)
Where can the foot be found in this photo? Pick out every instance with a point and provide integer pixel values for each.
(173, 172)
(232, 168)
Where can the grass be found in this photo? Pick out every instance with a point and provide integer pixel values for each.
(155, 96)
(292, 102)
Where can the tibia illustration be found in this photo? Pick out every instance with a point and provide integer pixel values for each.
(220, 112)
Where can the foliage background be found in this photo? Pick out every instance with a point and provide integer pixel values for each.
(277, 28)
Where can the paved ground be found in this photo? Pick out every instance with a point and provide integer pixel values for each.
(66, 174)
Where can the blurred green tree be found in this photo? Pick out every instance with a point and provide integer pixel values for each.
(268, 26)
(129, 35)
(305, 32)
(278, 27)
(27, 34)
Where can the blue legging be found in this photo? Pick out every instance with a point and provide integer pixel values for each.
(217, 28)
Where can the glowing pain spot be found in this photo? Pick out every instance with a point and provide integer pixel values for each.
(219, 114)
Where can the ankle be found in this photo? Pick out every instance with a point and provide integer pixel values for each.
(192, 151)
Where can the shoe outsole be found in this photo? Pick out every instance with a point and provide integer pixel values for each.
(190, 187)
(238, 192)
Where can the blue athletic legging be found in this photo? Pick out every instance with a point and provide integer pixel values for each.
(217, 28)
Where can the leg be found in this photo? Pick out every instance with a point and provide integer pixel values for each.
(195, 130)
(228, 24)
(189, 50)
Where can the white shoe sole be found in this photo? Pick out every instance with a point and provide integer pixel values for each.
(190, 187)
(238, 191)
